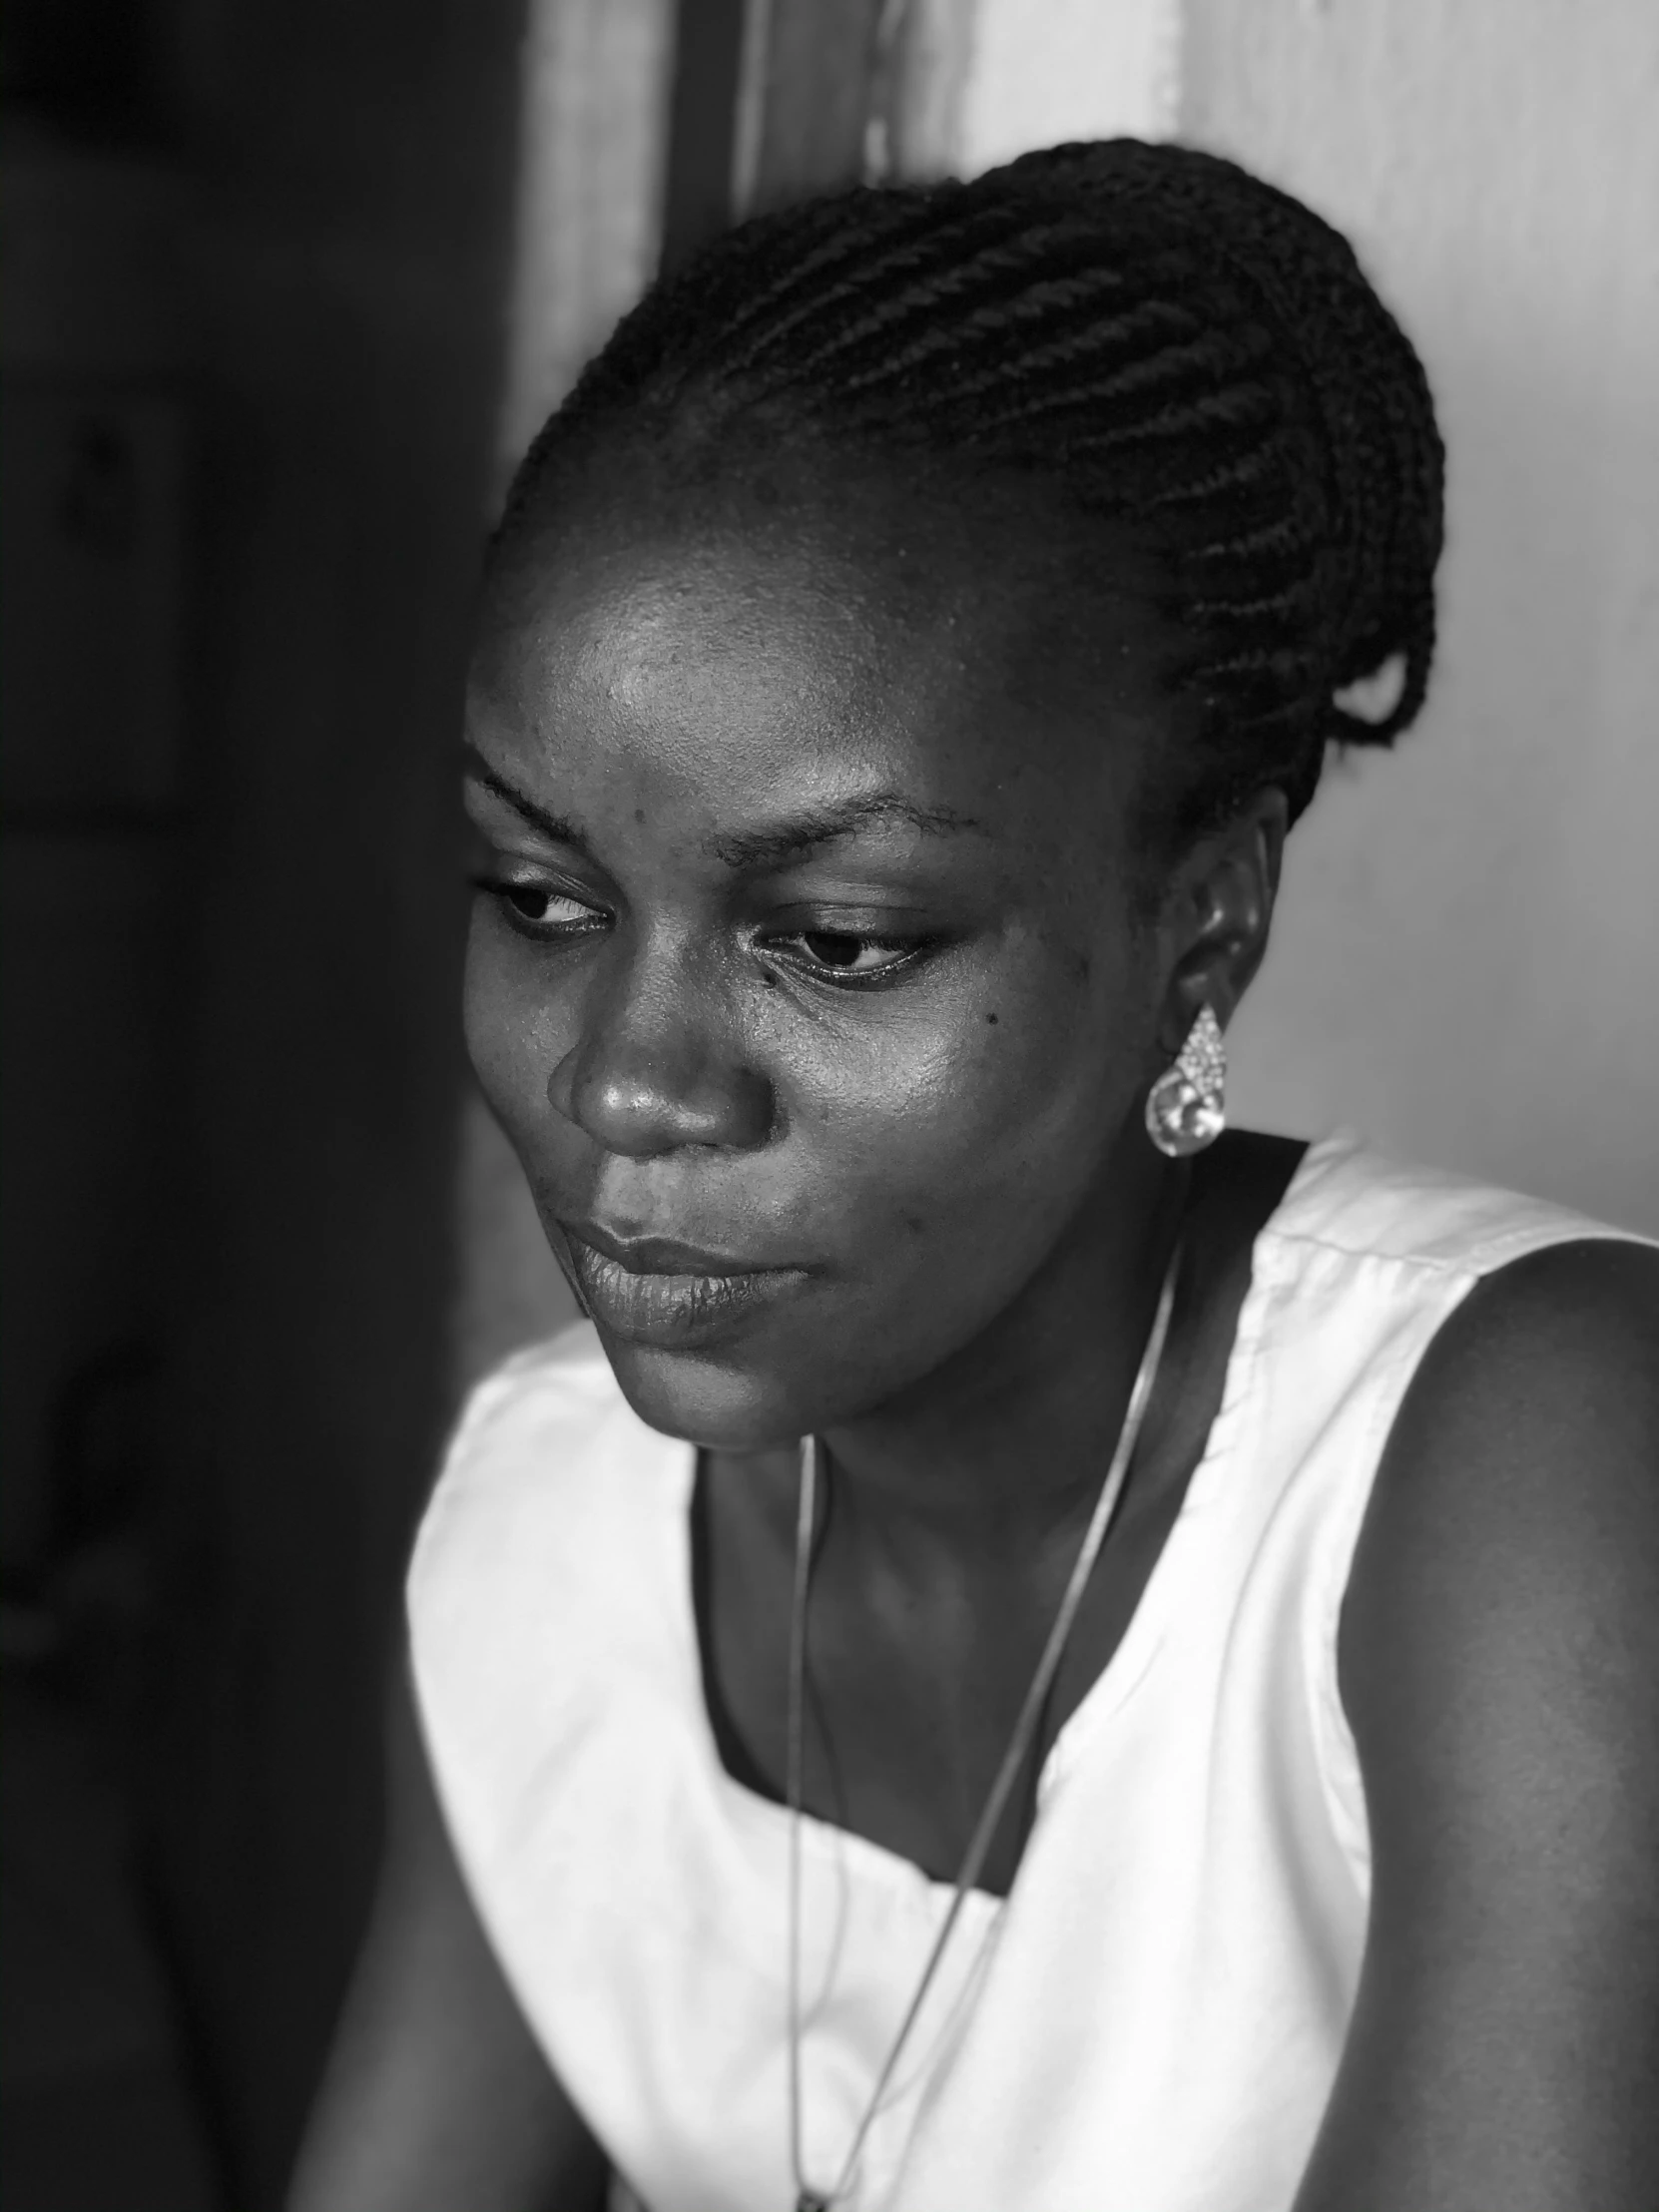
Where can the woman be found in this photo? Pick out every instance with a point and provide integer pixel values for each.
(1031, 1654)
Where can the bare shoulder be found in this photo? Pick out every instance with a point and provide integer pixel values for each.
(1521, 1483)
(1499, 1664)
(1504, 1600)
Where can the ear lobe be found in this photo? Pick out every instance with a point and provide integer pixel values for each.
(1199, 981)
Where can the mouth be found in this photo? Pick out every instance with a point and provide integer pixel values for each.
(656, 1292)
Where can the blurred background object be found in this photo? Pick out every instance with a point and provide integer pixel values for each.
(97, 2104)
(288, 287)
(255, 257)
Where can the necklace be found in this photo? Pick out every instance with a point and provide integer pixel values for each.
(806, 2198)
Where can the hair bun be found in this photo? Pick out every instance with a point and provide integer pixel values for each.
(1382, 449)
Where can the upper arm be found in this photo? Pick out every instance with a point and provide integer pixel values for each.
(436, 2094)
(1500, 1664)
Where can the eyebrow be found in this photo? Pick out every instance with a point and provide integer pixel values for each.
(561, 828)
(768, 845)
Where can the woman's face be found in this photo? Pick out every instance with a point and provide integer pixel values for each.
(803, 941)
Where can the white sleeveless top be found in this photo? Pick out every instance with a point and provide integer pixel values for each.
(1152, 2020)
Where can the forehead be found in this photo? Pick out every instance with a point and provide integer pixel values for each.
(702, 645)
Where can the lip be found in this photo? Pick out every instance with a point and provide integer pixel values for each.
(670, 1304)
(661, 1255)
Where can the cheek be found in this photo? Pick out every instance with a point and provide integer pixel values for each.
(983, 1136)
(940, 1173)
(504, 1023)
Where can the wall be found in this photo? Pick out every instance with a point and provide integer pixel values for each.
(1066, 69)
(1464, 959)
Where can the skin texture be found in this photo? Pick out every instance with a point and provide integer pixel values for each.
(954, 1166)
(1499, 1663)
(954, 1161)
(948, 1158)
(436, 2096)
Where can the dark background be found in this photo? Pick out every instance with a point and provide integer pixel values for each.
(257, 256)
(254, 264)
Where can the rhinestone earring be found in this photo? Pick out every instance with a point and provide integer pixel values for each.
(1186, 1107)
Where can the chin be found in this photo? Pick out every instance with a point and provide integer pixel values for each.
(719, 1404)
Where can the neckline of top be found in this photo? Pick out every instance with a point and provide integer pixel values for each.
(1136, 1648)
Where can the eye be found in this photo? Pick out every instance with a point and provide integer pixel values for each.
(849, 956)
(537, 910)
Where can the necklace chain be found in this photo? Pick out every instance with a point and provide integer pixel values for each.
(808, 2199)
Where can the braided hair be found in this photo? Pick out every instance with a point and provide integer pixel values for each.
(1163, 342)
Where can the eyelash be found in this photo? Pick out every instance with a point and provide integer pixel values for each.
(910, 951)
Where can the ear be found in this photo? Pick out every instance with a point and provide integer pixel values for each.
(1216, 914)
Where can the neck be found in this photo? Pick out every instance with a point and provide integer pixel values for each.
(1001, 1450)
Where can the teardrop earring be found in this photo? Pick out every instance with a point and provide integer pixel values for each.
(1186, 1108)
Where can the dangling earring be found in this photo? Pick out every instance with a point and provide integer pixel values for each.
(1186, 1108)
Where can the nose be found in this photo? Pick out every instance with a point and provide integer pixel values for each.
(659, 1063)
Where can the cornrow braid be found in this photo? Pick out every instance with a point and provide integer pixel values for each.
(1166, 341)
